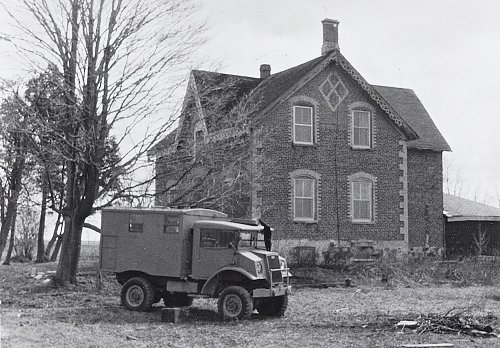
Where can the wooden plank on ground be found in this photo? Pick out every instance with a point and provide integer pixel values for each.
(427, 345)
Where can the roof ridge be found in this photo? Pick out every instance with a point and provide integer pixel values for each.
(219, 73)
(406, 89)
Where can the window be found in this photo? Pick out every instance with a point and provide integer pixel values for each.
(213, 238)
(304, 197)
(136, 223)
(361, 129)
(303, 125)
(362, 201)
(199, 140)
(171, 224)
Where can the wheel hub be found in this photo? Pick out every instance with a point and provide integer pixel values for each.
(135, 295)
(233, 305)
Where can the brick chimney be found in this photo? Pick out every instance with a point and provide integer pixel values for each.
(265, 71)
(330, 36)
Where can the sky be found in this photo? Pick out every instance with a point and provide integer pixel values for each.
(447, 51)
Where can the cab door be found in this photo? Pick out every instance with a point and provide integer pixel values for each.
(212, 251)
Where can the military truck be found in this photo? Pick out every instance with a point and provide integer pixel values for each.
(180, 254)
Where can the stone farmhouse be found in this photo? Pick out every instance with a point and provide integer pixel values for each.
(342, 161)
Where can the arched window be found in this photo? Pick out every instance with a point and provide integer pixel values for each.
(362, 192)
(361, 125)
(361, 129)
(305, 201)
(199, 141)
(304, 120)
(303, 125)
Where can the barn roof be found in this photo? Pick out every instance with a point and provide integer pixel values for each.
(461, 209)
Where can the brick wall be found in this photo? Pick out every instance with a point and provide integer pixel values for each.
(425, 198)
(334, 160)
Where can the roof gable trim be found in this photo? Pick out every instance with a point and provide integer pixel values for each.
(337, 58)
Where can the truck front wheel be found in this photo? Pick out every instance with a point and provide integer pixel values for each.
(235, 302)
(137, 294)
(273, 307)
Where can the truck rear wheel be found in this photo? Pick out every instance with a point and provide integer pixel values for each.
(235, 302)
(137, 294)
(274, 306)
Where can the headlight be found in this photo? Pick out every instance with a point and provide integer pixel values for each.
(282, 264)
(258, 267)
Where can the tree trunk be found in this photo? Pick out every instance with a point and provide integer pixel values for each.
(57, 248)
(11, 241)
(15, 189)
(40, 253)
(70, 240)
(70, 253)
(9, 217)
(55, 236)
(2, 202)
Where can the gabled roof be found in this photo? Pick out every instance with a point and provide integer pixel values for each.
(407, 104)
(402, 106)
(164, 144)
(277, 84)
(220, 93)
(461, 209)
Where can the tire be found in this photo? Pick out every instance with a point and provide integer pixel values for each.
(177, 300)
(137, 294)
(235, 302)
(273, 307)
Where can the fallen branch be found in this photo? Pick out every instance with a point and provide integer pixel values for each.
(456, 324)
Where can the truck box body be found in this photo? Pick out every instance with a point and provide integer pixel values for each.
(127, 242)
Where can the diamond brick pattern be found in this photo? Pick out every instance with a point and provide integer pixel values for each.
(333, 90)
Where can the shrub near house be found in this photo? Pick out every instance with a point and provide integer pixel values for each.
(332, 158)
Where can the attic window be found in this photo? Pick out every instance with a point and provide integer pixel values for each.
(136, 223)
(303, 125)
(361, 129)
(199, 136)
(199, 140)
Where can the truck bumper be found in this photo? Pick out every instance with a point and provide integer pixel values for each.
(277, 291)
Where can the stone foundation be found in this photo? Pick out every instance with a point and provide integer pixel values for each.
(313, 251)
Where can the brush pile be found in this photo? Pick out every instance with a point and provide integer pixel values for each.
(458, 324)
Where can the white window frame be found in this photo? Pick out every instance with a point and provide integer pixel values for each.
(369, 200)
(353, 127)
(196, 141)
(295, 141)
(312, 198)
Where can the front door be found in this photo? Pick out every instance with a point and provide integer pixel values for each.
(212, 250)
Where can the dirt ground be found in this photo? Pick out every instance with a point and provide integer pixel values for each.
(364, 315)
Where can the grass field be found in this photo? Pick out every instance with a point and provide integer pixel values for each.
(35, 315)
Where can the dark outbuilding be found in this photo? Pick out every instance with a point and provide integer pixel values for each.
(471, 228)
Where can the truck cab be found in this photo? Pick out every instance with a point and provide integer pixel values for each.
(179, 254)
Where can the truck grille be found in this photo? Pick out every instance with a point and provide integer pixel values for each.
(275, 267)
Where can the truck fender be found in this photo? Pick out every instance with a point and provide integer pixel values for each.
(211, 284)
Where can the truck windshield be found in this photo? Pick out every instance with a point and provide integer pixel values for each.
(219, 238)
(251, 240)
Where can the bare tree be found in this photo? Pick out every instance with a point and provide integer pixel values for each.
(25, 238)
(212, 163)
(11, 239)
(14, 120)
(119, 61)
(481, 239)
(453, 180)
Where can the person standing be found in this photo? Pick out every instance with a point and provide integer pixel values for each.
(267, 234)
